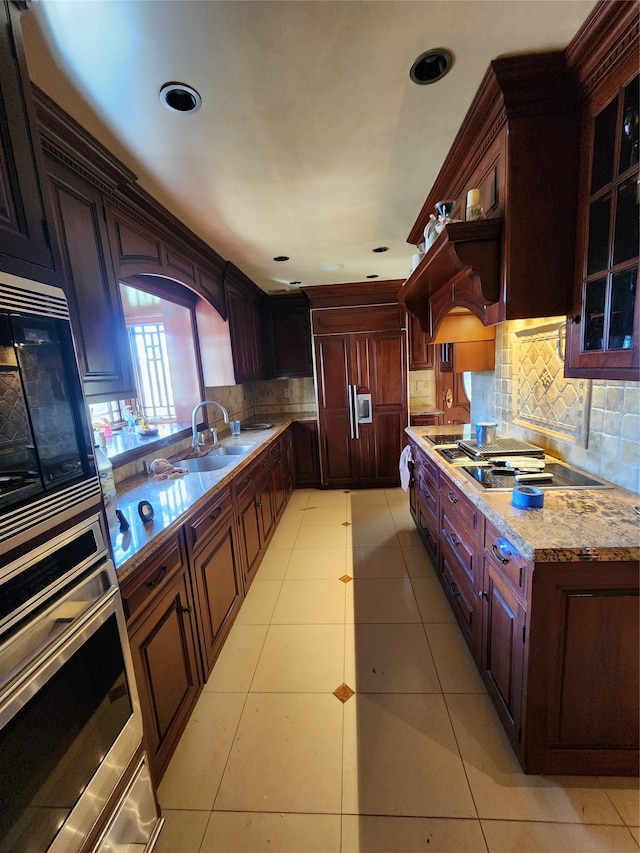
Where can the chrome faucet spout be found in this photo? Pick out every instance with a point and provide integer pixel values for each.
(194, 428)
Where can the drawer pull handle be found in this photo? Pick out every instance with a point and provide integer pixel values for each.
(454, 589)
(258, 503)
(483, 594)
(247, 479)
(216, 513)
(452, 498)
(454, 539)
(264, 463)
(499, 554)
(186, 610)
(152, 583)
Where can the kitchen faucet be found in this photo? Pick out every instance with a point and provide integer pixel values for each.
(194, 430)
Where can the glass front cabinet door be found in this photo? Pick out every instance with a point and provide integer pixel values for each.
(603, 330)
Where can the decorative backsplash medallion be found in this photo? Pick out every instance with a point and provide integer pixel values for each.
(543, 399)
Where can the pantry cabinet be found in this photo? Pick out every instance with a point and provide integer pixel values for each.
(161, 622)
(603, 340)
(216, 571)
(26, 247)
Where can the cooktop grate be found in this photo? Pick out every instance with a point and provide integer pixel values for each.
(501, 447)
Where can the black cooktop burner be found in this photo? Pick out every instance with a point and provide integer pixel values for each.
(562, 477)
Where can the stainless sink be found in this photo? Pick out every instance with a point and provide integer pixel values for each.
(205, 463)
(231, 450)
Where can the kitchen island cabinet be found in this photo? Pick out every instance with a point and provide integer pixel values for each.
(161, 623)
(547, 601)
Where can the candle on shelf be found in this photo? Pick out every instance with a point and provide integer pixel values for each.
(474, 208)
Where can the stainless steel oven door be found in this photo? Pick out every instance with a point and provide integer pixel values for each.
(70, 721)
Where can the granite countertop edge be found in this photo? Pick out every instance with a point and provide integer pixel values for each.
(572, 526)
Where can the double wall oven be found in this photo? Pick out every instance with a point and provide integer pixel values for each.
(73, 774)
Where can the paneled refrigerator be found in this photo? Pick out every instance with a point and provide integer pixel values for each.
(360, 362)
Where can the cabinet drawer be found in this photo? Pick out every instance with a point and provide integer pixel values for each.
(462, 598)
(462, 550)
(207, 522)
(459, 508)
(501, 554)
(144, 584)
(251, 477)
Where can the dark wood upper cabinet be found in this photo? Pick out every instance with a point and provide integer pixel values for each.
(287, 336)
(420, 350)
(91, 284)
(25, 245)
(603, 333)
(519, 145)
(243, 299)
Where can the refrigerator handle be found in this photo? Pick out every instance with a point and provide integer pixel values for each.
(351, 410)
(355, 411)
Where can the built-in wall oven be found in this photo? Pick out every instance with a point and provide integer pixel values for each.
(73, 773)
(47, 468)
(70, 722)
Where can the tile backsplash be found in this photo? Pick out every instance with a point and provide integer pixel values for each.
(593, 424)
(422, 390)
(242, 402)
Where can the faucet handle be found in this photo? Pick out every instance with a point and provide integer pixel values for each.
(214, 435)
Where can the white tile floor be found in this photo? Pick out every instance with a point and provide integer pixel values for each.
(415, 760)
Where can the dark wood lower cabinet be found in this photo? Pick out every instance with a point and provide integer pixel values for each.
(305, 451)
(164, 648)
(557, 644)
(217, 574)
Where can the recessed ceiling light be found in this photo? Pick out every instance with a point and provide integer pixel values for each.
(281, 258)
(331, 267)
(431, 66)
(381, 249)
(373, 276)
(180, 98)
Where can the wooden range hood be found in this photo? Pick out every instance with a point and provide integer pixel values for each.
(519, 145)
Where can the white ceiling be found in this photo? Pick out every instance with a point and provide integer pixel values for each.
(312, 142)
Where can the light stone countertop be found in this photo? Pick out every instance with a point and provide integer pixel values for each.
(573, 525)
(172, 500)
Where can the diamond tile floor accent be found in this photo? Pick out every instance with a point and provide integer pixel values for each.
(412, 757)
(344, 693)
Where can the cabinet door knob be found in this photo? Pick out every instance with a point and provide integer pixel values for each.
(152, 583)
(483, 594)
(186, 609)
(258, 503)
(452, 498)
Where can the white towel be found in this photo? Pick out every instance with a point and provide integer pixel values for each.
(405, 472)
